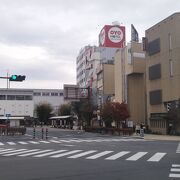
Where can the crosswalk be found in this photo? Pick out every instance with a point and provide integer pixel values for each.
(178, 148)
(86, 154)
(72, 140)
(175, 171)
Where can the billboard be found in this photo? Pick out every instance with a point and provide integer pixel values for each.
(112, 36)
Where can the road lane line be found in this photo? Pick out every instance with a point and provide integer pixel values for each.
(29, 154)
(82, 154)
(156, 157)
(22, 152)
(118, 155)
(50, 153)
(99, 155)
(67, 153)
(136, 156)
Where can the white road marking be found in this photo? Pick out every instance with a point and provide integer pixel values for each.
(22, 142)
(156, 157)
(99, 155)
(1, 144)
(29, 154)
(33, 142)
(12, 151)
(82, 154)
(54, 141)
(50, 153)
(11, 143)
(136, 156)
(174, 175)
(67, 153)
(46, 142)
(118, 155)
(175, 170)
(22, 152)
(176, 165)
(178, 148)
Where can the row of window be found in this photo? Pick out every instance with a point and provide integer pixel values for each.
(47, 94)
(16, 97)
(158, 123)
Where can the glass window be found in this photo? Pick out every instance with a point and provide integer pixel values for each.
(171, 68)
(28, 97)
(170, 41)
(11, 97)
(54, 94)
(19, 97)
(61, 94)
(45, 94)
(2, 97)
(37, 94)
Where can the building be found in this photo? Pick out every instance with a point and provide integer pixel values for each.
(130, 78)
(162, 45)
(22, 102)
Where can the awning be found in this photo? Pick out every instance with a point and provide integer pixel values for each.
(60, 117)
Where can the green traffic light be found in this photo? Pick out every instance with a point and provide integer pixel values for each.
(14, 77)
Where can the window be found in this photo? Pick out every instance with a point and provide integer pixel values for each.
(45, 94)
(61, 94)
(170, 41)
(19, 97)
(54, 94)
(171, 68)
(154, 47)
(2, 97)
(37, 94)
(155, 72)
(11, 97)
(28, 97)
(155, 97)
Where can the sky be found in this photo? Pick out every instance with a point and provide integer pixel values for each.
(42, 38)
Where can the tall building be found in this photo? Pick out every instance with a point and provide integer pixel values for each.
(130, 80)
(162, 44)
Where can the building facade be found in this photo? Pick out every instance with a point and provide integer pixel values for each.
(162, 44)
(22, 102)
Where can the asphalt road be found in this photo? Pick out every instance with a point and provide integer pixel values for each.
(72, 155)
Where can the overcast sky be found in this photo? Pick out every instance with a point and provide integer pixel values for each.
(42, 38)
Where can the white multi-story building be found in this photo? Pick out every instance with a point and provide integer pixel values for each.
(22, 102)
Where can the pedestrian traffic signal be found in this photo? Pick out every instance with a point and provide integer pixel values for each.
(17, 78)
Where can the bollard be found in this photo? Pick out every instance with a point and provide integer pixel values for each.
(142, 132)
(46, 133)
(42, 133)
(34, 133)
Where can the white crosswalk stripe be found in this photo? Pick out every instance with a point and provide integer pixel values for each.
(99, 155)
(22, 142)
(65, 154)
(12, 151)
(46, 142)
(178, 148)
(82, 154)
(175, 171)
(11, 143)
(136, 156)
(21, 152)
(1, 144)
(54, 141)
(157, 157)
(32, 153)
(33, 142)
(118, 155)
(50, 153)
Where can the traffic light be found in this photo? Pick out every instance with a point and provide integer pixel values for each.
(17, 78)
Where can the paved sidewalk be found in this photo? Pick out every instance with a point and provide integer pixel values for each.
(159, 137)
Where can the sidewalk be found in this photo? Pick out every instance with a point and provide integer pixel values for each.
(159, 137)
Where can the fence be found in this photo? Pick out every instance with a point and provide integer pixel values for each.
(5, 130)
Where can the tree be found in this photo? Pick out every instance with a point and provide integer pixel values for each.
(120, 112)
(43, 112)
(107, 114)
(64, 109)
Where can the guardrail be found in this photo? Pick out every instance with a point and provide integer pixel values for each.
(5, 130)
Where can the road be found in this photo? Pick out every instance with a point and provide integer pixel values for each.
(72, 155)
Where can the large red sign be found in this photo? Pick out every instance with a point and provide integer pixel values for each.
(112, 36)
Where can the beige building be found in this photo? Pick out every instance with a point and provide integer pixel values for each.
(130, 80)
(162, 44)
(105, 82)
